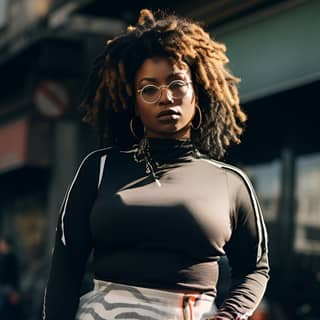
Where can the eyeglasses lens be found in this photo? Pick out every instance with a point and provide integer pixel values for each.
(152, 93)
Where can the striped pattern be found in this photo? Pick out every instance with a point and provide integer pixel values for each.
(261, 228)
(66, 198)
(262, 247)
(101, 170)
(110, 301)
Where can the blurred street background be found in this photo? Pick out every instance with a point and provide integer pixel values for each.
(46, 50)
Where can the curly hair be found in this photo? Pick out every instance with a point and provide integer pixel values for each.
(109, 98)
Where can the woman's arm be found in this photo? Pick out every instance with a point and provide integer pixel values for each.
(247, 253)
(73, 243)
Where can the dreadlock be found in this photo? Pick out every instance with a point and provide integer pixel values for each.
(109, 99)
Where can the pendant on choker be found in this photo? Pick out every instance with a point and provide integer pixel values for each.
(142, 154)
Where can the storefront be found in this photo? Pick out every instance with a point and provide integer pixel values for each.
(39, 152)
(24, 162)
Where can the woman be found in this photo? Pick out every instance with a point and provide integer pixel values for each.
(158, 213)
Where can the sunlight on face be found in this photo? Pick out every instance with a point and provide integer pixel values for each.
(168, 117)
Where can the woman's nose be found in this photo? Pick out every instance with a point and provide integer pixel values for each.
(165, 96)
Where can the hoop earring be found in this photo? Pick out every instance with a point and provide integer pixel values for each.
(131, 128)
(200, 119)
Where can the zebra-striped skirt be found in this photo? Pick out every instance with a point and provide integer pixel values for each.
(109, 301)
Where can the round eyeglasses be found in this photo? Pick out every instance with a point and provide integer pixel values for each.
(151, 93)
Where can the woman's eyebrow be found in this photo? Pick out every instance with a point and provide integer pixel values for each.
(170, 76)
(148, 79)
(176, 74)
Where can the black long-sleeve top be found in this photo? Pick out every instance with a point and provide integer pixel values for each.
(161, 223)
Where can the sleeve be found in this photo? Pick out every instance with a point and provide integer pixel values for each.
(247, 253)
(73, 244)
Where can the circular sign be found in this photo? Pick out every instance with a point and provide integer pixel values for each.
(51, 99)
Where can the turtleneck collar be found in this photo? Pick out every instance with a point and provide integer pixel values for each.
(161, 154)
(170, 150)
(163, 151)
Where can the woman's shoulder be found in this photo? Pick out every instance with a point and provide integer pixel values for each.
(96, 156)
(238, 181)
(234, 173)
(101, 152)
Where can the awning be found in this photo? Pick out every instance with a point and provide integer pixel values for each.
(274, 50)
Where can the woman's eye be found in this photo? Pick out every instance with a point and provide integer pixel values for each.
(177, 84)
(149, 90)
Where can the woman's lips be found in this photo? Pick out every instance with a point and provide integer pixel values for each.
(172, 116)
(168, 115)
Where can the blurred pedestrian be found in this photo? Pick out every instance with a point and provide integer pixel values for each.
(155, 206)
(9, 281)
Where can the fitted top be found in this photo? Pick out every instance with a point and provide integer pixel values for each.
(159, 219)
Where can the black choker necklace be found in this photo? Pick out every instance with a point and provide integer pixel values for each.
(155, 152)
(164, 150)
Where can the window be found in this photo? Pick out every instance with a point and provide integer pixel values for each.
(266, 181)
(3, 13)
(307, 233)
